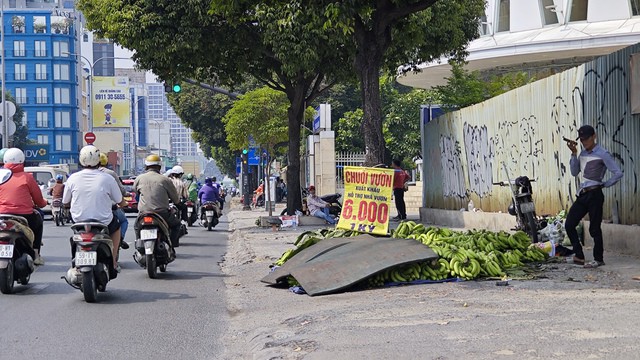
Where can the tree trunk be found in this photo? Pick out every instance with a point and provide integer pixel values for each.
(296, 115)
(367, 65)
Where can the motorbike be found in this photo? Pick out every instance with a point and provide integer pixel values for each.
(192, 214)
(153, 247)
(209, 214)
(522, 206)
(60, 213)
(92, 265)
(16, 252)
(334, 200)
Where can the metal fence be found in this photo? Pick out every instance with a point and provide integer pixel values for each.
(346, 159)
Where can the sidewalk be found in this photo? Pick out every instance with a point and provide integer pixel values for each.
(571, 310)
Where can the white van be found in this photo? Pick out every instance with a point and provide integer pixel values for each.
(43, 175)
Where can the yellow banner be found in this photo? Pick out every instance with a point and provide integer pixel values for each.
(367, 199)
(110, 106)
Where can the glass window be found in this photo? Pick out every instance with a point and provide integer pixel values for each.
(41, 71)
(503, 15)
(40, 48)
(578, 10)
(63, 119)
(43, 139)
(20, 71)
(61, 96)
(485, 28)
(635, 7)
(21, 95)
(39, 25)
(42, 119)
(63, 142)
(60, 49)
(60, 72)
(17, 24)
(550, 16)
(41, 96)
(18, 48)
(24, 118)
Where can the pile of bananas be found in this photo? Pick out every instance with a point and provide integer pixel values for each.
(309, 238)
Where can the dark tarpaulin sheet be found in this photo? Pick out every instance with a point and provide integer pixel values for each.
(335, 268)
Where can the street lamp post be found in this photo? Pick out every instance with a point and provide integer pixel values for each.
(91, 66)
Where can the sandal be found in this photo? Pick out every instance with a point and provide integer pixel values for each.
(594, 264)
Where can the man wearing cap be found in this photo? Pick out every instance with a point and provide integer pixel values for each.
(593, 162)
(318, 207)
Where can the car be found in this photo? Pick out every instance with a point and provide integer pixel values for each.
(130, 196)
(45, 177)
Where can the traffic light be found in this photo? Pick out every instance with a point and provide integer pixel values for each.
(173, 87)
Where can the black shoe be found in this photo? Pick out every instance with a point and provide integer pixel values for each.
(124, 245)
(397, 218)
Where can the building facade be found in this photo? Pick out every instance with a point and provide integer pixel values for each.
(542, 37)
(40, 73)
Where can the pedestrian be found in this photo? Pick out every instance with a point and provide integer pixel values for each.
(400, 178)
(592, 162)
(318, 207)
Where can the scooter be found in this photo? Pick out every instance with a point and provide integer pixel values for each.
(334, 200)
(92, 265)
(522, 206)
(16, 252)
(209, 214)
(153, 247)
(60, 214)
(192, 214)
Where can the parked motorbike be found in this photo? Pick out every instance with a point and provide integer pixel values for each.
(334, 200)
(92, 265)
(209, 214)
(522, 206)
(153, 248)
(16, 252)
(192, 214)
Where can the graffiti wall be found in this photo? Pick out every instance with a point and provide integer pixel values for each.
(520, 133)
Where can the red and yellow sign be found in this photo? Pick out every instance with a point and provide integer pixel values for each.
(367, 199)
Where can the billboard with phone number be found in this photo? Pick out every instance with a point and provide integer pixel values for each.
(367, 199)
(110, 104)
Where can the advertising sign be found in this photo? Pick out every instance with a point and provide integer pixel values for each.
(110, 103)
(36, 153)
(367, 199)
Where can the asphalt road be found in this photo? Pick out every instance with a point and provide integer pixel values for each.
(180, 315)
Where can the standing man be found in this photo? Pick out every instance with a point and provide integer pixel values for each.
(400, 177)
(593, 162)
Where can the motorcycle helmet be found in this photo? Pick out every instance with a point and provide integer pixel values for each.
(152, 160)
(189, 176)
(103, 159)
(13, 156)
(178, 170)
(59, 177)
(512, 210)
(2, 151)
(89, 156)
(208, 181)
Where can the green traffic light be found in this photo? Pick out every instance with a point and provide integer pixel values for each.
(245, 151)
(177, 88)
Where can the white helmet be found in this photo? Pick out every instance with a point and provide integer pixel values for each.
(89, 156)
(13, 156)
(177, 170)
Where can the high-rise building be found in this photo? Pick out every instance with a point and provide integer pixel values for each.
(41, 38)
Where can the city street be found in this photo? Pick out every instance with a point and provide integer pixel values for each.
(181, 314)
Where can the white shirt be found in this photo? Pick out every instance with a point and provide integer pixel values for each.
(91, 193)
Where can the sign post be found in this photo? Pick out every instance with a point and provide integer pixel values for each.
(89, 138)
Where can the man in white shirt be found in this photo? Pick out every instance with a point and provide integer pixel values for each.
(91, 193)
(318, 207)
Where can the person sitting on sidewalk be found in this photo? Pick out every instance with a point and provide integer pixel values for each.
(318, 207)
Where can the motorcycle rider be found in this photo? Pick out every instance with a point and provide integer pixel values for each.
(18, 196)
(208, 192)
(183, 194)
(91, 193)
(58, 189)
(156, 191)
(192, 188)
(118, 212)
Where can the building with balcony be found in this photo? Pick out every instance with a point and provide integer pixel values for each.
(41, 75)
(542, 37)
